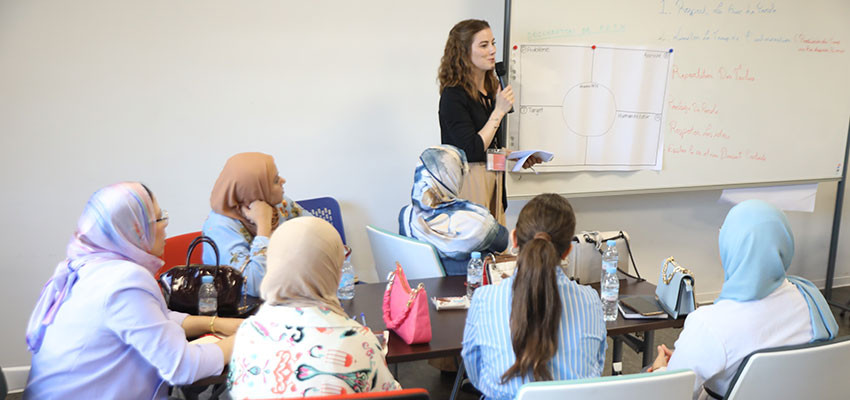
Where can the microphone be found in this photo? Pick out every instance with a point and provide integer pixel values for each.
(501, 71)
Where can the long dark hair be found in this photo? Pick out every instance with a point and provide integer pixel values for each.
(456, 65)
(544, 229)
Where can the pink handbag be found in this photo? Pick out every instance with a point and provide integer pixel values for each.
(406, 310)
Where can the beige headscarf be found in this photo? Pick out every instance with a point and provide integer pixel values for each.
(246, 177)
(304, 264)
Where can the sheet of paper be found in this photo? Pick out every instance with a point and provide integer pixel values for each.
(521, 155)
(208, 338)
(786, 198)
(599, 108)
(451, 303)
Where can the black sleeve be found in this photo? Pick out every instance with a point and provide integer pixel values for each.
(457, 127)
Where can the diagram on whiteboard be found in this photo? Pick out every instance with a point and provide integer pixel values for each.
(596, 108)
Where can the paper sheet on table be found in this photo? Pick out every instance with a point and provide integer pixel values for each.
(522, 155)
(208, 338)
(786, 198)
(451, 303)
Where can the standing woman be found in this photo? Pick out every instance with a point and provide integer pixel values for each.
(471, 109)
(537, 325)
(247, 204)
(101, 328)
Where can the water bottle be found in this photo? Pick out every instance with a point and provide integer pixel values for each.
(474, 273)
(207, 297)
(610, 284)
(346, 282)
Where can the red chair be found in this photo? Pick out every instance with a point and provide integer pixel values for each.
(175, 251)
(405, 394)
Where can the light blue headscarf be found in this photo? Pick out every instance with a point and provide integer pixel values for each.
(118, 223)
(756, 248)
(436, 215)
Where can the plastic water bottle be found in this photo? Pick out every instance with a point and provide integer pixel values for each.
(610, 284)
(207, 297)
(474, 273)
(346, 282)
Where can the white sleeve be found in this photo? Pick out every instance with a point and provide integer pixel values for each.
(699, 350)
(136, 316)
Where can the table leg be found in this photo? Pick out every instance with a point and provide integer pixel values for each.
(461, 372)
(616, 355)
(648, 348)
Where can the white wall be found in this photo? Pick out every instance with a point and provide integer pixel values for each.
(343, 94)
(686, 225)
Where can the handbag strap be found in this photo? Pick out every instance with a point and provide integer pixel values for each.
(678, 268)
(198, 240)
(393, 323)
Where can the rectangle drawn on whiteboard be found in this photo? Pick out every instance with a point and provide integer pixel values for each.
(598, 108)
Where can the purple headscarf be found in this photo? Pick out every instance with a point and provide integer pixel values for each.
(118, 223)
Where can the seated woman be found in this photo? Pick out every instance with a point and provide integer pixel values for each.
(301, 342)
(247, 205)
(436, 215)
(758, 307)
(101, 328)
(537, 325)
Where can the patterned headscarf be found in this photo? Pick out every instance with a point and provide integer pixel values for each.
(246, 177)
(436, 215)
(118, 223)
(756, 248)
(304, 265)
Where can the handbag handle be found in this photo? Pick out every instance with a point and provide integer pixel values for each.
(198, 240)
(679, 268)
(395, 323)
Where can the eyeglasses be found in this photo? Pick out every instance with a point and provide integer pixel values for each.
(164, 216)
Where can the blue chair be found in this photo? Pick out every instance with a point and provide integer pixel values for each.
(327, 209)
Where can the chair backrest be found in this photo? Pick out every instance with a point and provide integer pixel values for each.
(175, 251)
(419, 259)
(405, 394)
(807, 371)
(677, 384)
(327, 209)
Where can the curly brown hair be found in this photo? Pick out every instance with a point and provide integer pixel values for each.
(456, 65)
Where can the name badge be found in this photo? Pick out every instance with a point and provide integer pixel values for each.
(495, 160)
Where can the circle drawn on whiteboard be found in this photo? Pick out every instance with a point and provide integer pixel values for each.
(589, 109)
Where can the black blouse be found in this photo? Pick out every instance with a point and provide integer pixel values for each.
(461, 117)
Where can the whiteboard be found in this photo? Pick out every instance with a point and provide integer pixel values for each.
(758, 92)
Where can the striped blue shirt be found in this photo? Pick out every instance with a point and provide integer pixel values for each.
(488, 353)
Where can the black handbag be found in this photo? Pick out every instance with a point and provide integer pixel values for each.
(180, 284)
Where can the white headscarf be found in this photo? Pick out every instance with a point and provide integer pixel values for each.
(304, 265)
